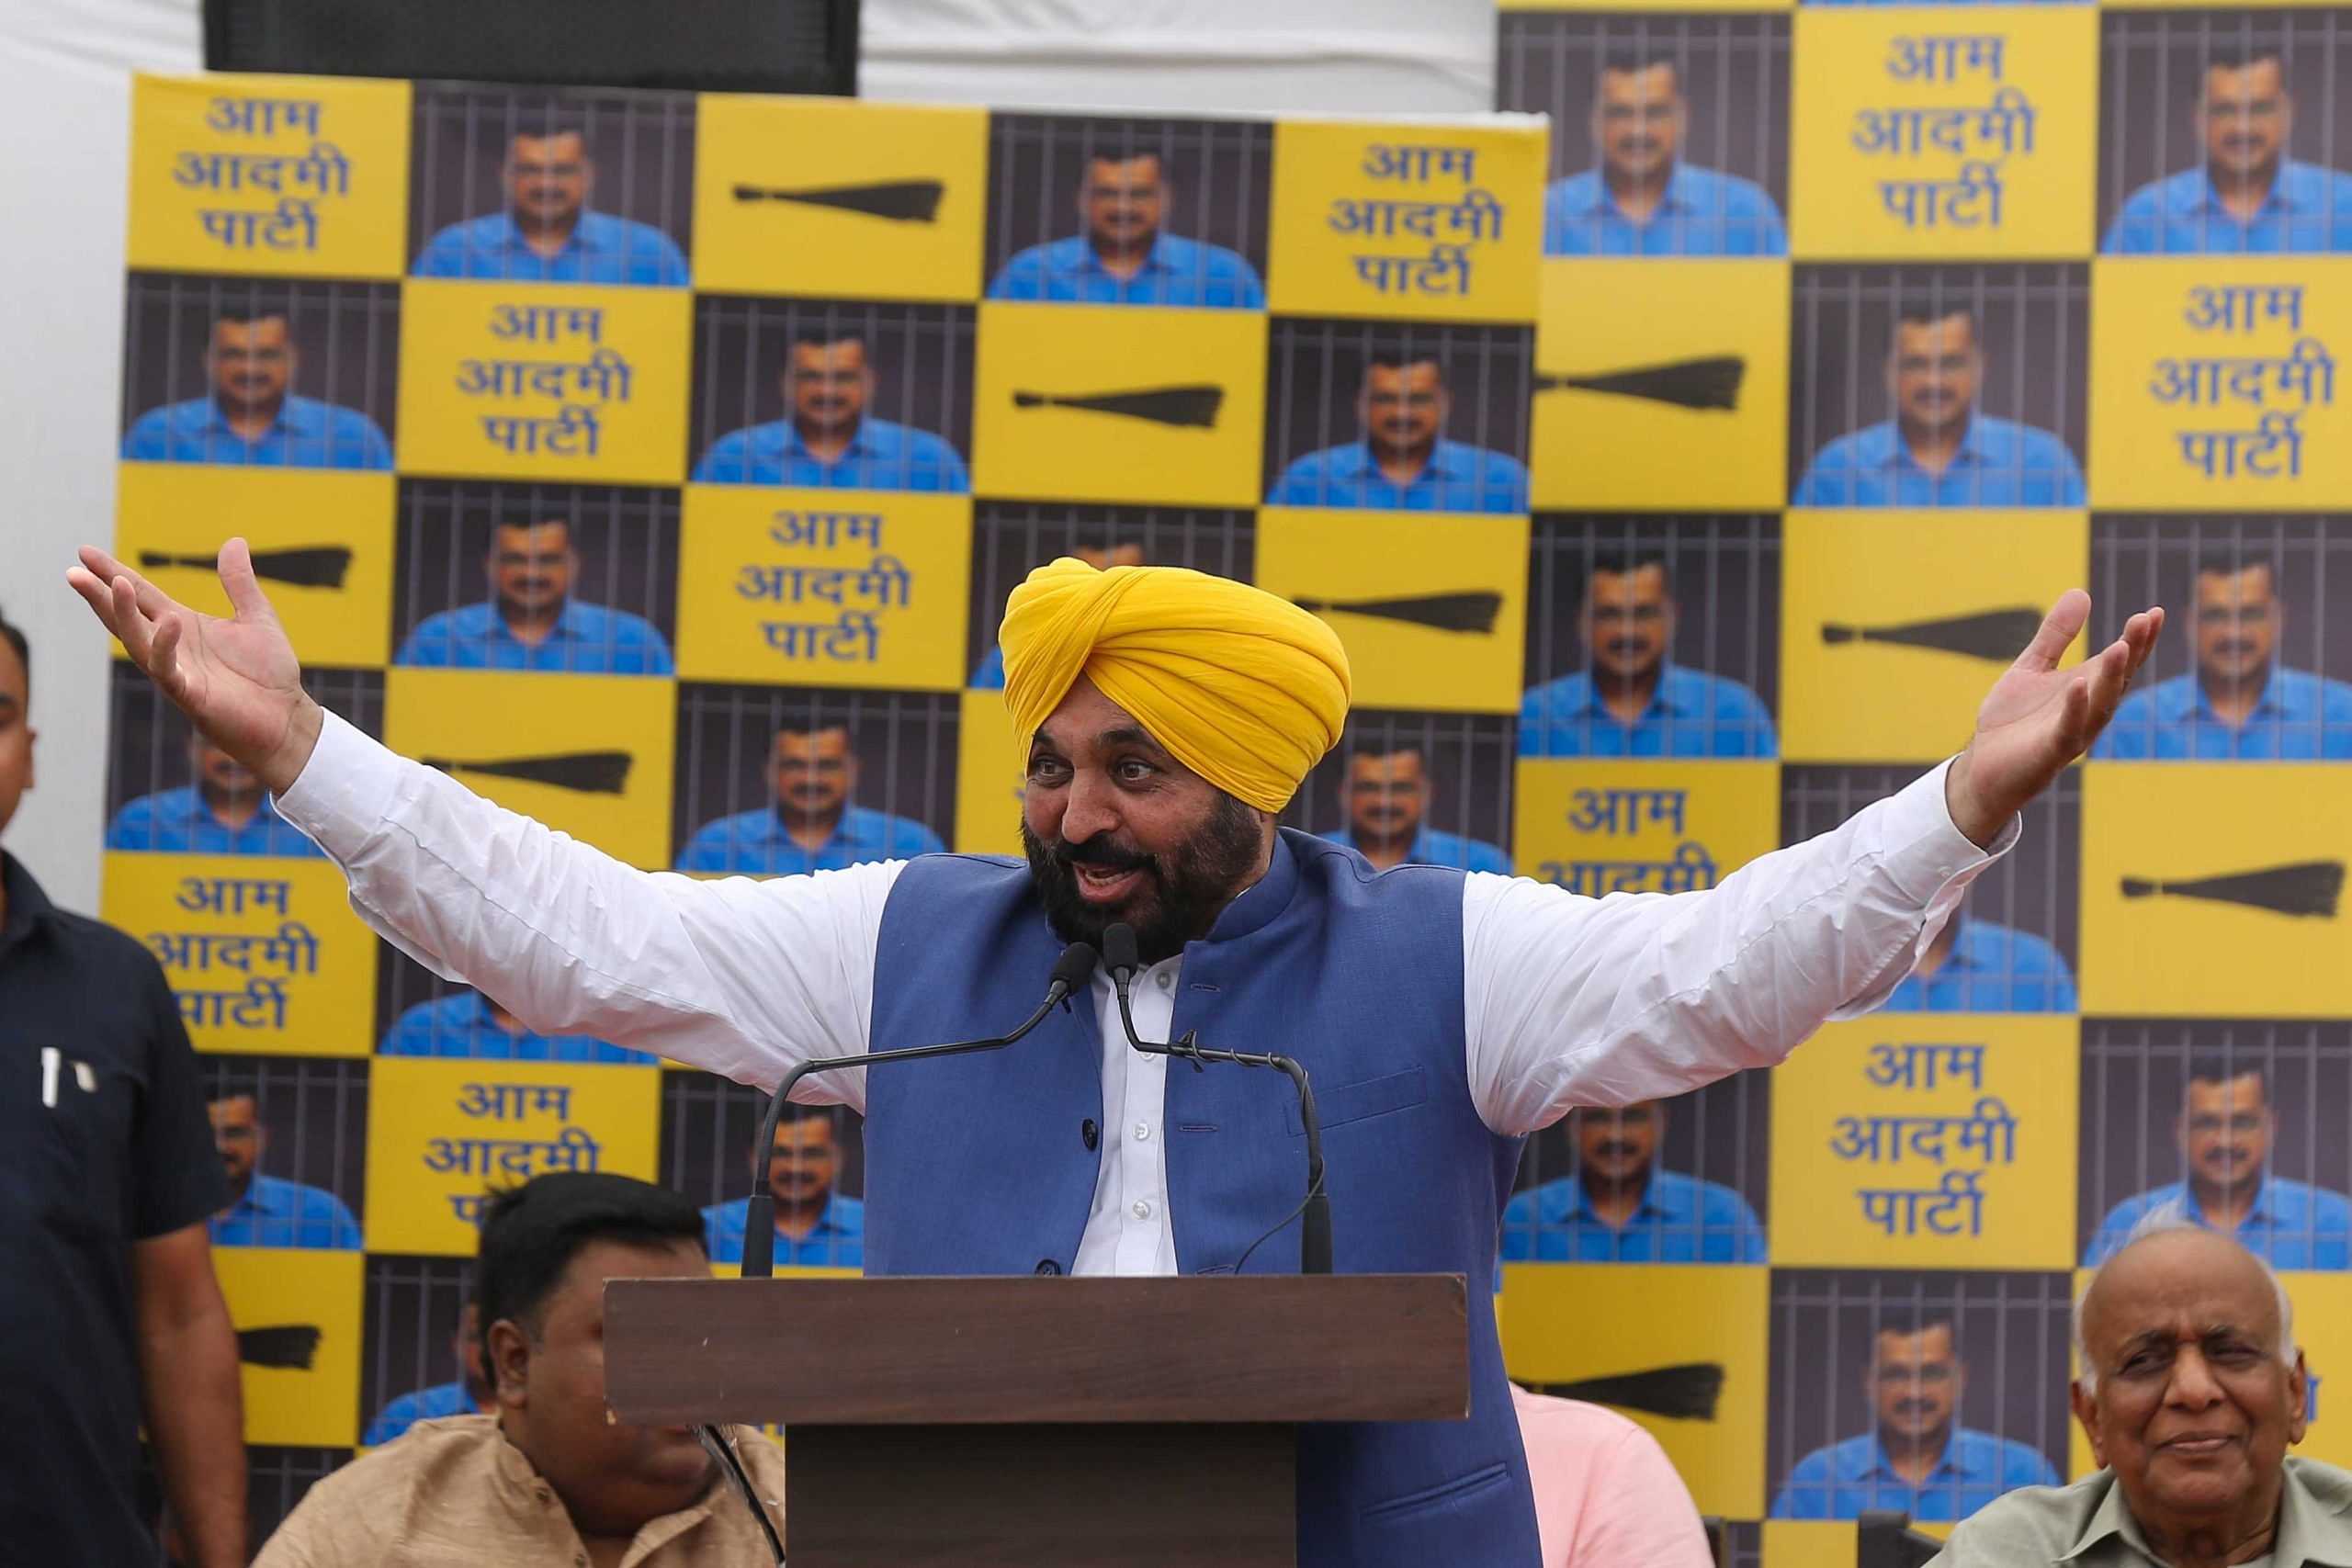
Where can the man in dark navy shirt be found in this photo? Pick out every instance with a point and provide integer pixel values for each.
(108, 1174)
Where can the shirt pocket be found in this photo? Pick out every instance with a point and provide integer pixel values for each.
(1363, 1099)
(75, 1147)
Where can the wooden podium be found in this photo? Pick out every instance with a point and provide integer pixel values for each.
(1048, 1423)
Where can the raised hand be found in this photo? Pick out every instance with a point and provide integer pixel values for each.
(238, 679)
(2038, 717)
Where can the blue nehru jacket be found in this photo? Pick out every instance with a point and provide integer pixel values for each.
(1176, 271)
(424, 1405)
(1433, 847)
(1457, 477)
(1681, 1220)
(602, 249)
(836, 1241)
(178, 821)
(1703, 213)
(2001, 463)
(1849, 1479)
(1690, 714)
(588, 639)
(757, 843)
(276, 1213)
(2300, 718)
(2292, 1223)
(306, 433)
(1416, 1179)
(461, 1026)
(881, 456)
(1990, 969)
(2308, 208)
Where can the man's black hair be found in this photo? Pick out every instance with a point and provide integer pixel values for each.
(1398, 355)
(1634, 61)
(14, 636)
(530, 1234)
(1625, 563)
(1907, 1319)
(826, 334)
(2229, 1069)
(1919, 311)
(2237, 57)
(2225, 560)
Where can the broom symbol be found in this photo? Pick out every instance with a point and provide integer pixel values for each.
(590, 772)
(1709, 383)
(1473, 612)
(1194, 406)
(901, 201)
(316, 566)
(2307, 887)
(1990, 633)
(288, 1347)
(1686, 1392)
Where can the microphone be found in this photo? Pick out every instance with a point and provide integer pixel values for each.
(1072, 972)
(1121, 958)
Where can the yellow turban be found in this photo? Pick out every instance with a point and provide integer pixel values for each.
(1247, 690)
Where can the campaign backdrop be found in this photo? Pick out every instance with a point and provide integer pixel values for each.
(1679, 455)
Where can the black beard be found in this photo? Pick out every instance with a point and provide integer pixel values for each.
(1181, 895)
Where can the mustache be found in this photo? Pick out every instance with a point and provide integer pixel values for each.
(1100, 851)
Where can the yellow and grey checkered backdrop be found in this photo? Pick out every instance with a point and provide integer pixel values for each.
(1696, 569)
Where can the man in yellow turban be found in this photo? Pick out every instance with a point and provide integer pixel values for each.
(1169, 716)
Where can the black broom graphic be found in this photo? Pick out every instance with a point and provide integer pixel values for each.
(590, 772)
(1709, 383)
(316, 566)
(1989, 633)
(1193, 406)
(1687, 1391)
(1473, 612)
(2307, 887)
(901, 201)
(288, 1347)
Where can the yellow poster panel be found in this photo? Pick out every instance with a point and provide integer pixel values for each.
(1822, 1543)
(1943, 133)
(1639, 827)
(2211, 889)
(261, 951)
(838, 198)
(587, 754)
(534, 381)
(1926, 1141)
(301, 176)
(1433, 221)
(824, 587)
(1894, 625)
(1566, 1322)
(1120, 402)
(2213, 383)
(441, 1134)
(1662, 383)
(321, 542)
(296, 1316)
(1432, 610)
(992, 761)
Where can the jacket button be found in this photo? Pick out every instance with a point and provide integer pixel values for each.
(1089, 1133)
(1048, 1266)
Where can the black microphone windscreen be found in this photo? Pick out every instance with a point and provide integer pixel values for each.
(1119, 951)
(1075, 968)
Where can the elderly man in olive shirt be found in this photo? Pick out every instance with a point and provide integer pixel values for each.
(2191, 1391)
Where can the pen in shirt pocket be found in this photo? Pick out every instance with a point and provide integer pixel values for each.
(50, 1059)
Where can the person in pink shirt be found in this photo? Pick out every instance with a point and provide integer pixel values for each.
(1606, 1495)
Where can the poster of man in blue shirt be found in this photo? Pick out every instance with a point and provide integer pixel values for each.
(1920, 1461)
(1126, 256)
(225, 812)
(1644, 200)
(816, 1226)
(1941, 449)
(268, 1211)
(1404, 462)
(2248, 197)
(531, 620)
(1977, 967)
(1620, 1207)
(811, 825)
(467, 1025)
(1386, 796)
(828, 440)
(251, 416)
(1632, 699)
(2225, 1129)
(989, 674)
(2240, 705)
(548, 233)
(470, 1394)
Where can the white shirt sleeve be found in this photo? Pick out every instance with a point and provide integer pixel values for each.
(1573, 1000)
(742, 977)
